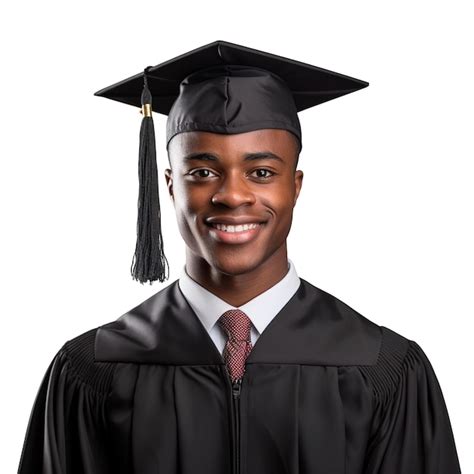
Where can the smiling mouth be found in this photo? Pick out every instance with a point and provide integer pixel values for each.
(235, 228)
(235, 234)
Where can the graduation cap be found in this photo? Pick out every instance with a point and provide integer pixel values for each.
(220, 87)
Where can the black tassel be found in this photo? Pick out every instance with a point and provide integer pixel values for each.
(149, 262)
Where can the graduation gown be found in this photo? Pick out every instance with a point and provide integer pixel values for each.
(325, 391)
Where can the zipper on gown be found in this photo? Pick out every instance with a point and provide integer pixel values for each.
(236, 387)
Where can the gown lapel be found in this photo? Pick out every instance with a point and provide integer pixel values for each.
(313, 327)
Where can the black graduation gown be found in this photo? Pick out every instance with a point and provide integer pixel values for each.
(326, 391)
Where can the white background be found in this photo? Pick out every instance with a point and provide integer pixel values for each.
(384, 220)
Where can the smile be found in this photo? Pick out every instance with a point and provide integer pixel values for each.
(235, 234)
(235, 228)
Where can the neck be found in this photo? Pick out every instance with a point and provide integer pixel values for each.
(238, 288)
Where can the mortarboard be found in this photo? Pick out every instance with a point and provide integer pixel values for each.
(220, 87)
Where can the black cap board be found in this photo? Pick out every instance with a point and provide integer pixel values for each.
(220, 87)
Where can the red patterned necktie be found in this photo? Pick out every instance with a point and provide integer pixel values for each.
(236, 324)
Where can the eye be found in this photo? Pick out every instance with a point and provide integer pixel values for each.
(265, 170)
(200, 170)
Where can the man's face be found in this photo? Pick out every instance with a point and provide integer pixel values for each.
(245, 178)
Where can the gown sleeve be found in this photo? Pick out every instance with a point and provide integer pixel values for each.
(412, 430)
(66, 432)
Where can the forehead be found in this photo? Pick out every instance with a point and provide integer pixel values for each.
(278, 141)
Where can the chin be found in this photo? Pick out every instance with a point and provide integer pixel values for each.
(235, 263)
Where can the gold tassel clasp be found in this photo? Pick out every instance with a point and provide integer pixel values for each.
(146, 110)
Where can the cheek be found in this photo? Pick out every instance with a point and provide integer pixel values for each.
(189, 205)
(281, 205)
(188, 199)
(280, 199)
(186, 218)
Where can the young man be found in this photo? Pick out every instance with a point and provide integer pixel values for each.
(240, 366)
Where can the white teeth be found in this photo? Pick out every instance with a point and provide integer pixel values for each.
(235, 228)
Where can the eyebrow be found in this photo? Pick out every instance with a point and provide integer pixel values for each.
(261, 155)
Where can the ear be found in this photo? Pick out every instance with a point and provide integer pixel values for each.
(298, 184)
(169, 182)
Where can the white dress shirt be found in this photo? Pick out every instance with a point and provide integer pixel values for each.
(260, 310)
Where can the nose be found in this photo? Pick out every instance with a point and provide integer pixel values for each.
(233, 192)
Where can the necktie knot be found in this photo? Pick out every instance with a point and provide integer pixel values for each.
(236, 324)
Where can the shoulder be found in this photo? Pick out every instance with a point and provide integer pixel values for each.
(399, 360)
(357, 339)
(392, 357)
(396, 358)
(77, 358)
(331, 308)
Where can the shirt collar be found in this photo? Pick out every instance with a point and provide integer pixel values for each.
(261, 309)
